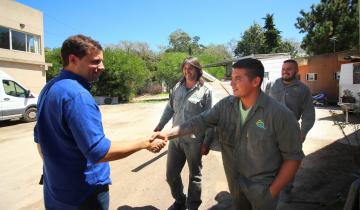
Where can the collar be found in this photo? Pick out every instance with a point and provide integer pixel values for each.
(197, 85)
(65, 74)
(260, 101)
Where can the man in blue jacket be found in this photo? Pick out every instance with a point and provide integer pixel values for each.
(70, 136)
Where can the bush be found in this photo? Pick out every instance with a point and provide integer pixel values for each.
(169, 68)
(125, 74)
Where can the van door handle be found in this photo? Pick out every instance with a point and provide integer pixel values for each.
(6, 99)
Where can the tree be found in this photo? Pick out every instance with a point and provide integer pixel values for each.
(329, 24)
(53, 56)
(169, 68)
(294, 47)
(272, 35)
(252, 41)
(214, 54)
(125, 74)
(180, 41)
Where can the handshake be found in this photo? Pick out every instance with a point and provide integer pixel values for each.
(157, 141)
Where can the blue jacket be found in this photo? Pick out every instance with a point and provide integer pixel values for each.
(70, 133)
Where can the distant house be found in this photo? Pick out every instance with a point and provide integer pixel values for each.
(321, 73)
(22, 44)
(272, 65)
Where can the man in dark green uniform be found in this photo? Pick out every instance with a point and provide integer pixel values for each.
(296, 96)
(260, 139)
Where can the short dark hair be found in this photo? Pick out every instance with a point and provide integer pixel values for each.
(254, 67)
(78, 45)
(194, 62)
(293, 62)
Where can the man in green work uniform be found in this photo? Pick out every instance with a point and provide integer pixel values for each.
(260, 139)
(189, 97)
(296, 96)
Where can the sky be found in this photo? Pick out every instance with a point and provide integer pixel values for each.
(152, 21)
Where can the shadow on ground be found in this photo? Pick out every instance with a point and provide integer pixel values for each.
(6, 123)
(224, 201)
(325, 176)
(323, 180)
(353, 118)
(126, 207)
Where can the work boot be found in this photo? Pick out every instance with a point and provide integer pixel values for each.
(177, 206)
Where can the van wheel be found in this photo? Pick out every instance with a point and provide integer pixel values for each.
(30, 115)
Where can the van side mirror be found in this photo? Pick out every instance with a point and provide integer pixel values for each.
(27, 93)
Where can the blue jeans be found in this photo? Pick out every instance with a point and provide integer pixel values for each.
(98, 200)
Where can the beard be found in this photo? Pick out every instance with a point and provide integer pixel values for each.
(292, 78)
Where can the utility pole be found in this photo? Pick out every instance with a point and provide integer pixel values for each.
(359, 21)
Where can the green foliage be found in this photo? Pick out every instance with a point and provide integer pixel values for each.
(252, 41)
(125, 74)
(328, 22)
(169, 68)
(180, 41)
(272, 35)
(53, 56)
(257, 40)
(214, 54)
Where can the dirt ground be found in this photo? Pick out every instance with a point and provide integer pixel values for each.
(139, 181)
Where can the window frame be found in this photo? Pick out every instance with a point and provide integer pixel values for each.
(36, 38)
(17, 94)
(313, 78)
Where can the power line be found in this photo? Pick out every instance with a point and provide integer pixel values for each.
(65, 24)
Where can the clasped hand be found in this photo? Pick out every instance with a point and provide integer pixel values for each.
(157, 141)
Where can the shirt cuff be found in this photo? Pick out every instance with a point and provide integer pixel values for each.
(99, 151)
(293, 156)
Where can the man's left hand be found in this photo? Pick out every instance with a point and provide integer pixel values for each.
(204, 149)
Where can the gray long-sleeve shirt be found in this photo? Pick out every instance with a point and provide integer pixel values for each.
(185, 104)
(297, 97)
(256, 149)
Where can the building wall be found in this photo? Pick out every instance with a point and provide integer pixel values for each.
(12, 14)
(31, 76)
(325, 65)
(26, 67)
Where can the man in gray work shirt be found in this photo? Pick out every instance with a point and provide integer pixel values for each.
(296, 96)
(190, 97)
(262, 152)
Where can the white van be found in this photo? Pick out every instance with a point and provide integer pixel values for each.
(349, 88)
(15, 100)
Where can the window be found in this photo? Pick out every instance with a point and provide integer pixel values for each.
(336, 75)
(16, 40)
(311, 76)
(33, 44)
(4, 38)
(13, 89)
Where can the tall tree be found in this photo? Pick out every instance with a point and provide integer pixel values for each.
(272, 35)
(331, 25)
(252, 41)
(180, 41)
